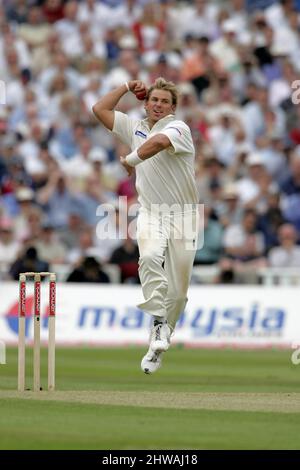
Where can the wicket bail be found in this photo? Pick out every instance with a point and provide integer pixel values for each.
(37, 329)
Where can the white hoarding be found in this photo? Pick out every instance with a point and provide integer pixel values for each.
(107, 315)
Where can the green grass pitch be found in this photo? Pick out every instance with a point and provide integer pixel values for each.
(199, 399)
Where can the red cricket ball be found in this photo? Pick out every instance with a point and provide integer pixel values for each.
(141, 95)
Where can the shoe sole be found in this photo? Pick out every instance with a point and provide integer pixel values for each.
(147, 371)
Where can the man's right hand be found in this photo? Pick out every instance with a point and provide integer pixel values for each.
(137, 86)
(128, 168)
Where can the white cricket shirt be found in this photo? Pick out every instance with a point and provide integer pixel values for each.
(169, 176)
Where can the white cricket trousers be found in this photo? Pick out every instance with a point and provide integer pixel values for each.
(167, 245)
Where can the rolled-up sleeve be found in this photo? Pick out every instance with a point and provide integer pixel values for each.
(180, 137)
(123, 127)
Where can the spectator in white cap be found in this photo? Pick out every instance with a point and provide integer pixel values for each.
(248, 187)
(25, 199)
(97, 155)
(230, 212)
(225, 48)
(98, 159)
(48, 245)
(78, 168)
(9, 245)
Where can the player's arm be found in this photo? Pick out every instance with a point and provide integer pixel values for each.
(155, 144)
(104, 108)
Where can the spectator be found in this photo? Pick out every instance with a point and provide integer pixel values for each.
(270, 221)
(35, 31)
(213, 174)
(25, 199)
(200, 66)
(110, 232)
(287, 254)
(256, 181)
(56, 199)
(225, 49)
(70, 234)
(9, 245)
(229, 211)
(28, 262)
(89, 270)
(92, 196)
(244, 248)
(210, 240)
(256, 114)
(126, 257)
(18, 11)
(222, 136)
(126, 14)
(84, 247)
(226, 273)
(78, 168)
(243, 242)
(189, 104)
(149, 29)
(291, 192)
(48, 246)
(53, 10)
(98, 159)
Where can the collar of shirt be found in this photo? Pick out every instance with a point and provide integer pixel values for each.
(159, 124)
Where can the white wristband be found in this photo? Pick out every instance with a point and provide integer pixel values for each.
(132, 159)
(127, 86)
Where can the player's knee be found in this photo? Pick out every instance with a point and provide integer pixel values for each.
(178, 298)
(181, 299)
(150, 259)
(181, 296)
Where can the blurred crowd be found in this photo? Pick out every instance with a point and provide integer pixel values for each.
(236, 64)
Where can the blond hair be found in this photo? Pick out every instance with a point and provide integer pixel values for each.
(162, 84)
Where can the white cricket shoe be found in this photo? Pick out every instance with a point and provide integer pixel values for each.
(151, 361)
(160, 337)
